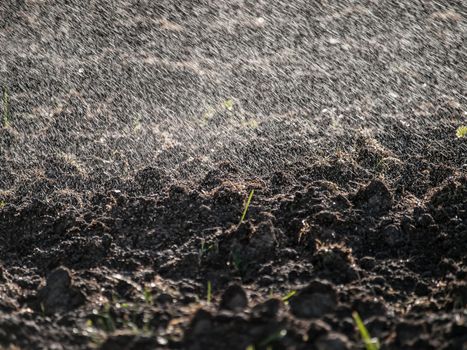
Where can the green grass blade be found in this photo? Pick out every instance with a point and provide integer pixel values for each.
(209, 293)
(246, 206)
(289, 295)
(370, 344)
(228, 104)
(461, 131)
(273, 337)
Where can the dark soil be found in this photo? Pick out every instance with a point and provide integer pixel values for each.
(137, 129)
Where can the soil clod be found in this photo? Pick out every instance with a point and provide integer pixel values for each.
(59, 294)
(234, 298)
(315, 300)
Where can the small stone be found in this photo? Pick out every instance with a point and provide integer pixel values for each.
(367, 263)
(106, 241)
(407, 225)
(459, 295)
(268, 310)
(128, 340)
(59, 278)
(335, 263)
(326, 217)
(375, 198)
(315, 300)
(8, 304)
(164, 298)
(265, 280)
(425, 220)
(462, 274)
(368, 307)
(201, 322)
(332, 341)
(289, 253)
(408, 332)
(422, 289)
(59, 295)
(264, 237)
(340, 202)
(234, 298)
(377, 326)
(458, 328)
(392, 235)
(379, 281)
(317, 329)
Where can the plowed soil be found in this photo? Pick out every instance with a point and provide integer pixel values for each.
(133, 132)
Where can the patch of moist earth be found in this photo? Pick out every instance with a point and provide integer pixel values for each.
(117, 231)
(175, 269)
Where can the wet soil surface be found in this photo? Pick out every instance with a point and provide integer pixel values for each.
(133, 132)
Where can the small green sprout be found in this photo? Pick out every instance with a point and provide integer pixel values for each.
(246, 206)
(211, 111)
(461, 131)
(105, 320)
(288, 296)
(239, 263)
(209, 293)
(228, 104)
(42, 306)
(6, 108)
(268, 340)
(147, 296)
(201, 252)
(252, 124)
(370, 343)
(136, 125)
(273, 337)
(204, 249)
(2, 204)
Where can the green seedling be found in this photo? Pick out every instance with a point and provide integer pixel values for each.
(148, 296)
(136, 124)
(2, 204)
(105, 320)
(209, 293)
(239, 263)
(116, 315)
(289, 296)
(6, 108)
(245, 210)
(370, 343)
(201, 252)
(42, 306)
(273, 337)
(228, 104)
(211, 111)
(461, 131)
(267, 341)
(204, 249)
(252, 124)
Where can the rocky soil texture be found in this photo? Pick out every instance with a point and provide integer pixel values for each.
(133, 132)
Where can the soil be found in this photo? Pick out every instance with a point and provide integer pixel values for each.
(137, 129)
